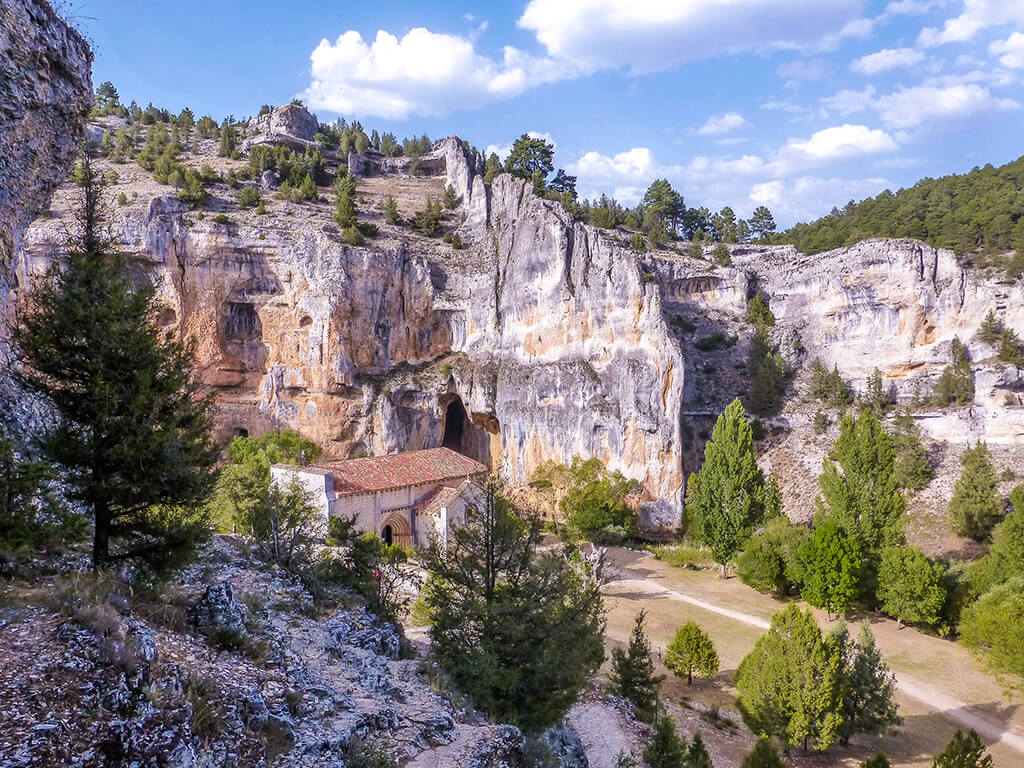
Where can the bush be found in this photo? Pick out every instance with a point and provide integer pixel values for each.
(768, 562)
(122, 199)
(685, 555)
(595, 498)
(637, 243)
(450, 200)
(828, 386)
(391, 210)
(249, 197)
(716, 340)
(367, 228)
(994, 627)
(428, 220)
(820, 424)
(454, 240)
(352, 236)
(221, 218)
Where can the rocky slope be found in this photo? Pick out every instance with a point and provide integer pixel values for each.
(542, 338)
(45, 96)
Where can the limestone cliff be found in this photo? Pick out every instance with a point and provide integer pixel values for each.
(45, 96)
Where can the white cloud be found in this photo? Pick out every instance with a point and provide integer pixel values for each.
(839, 142)
(731, 141)
(644, 36)
(977, 15)
(803, 70)
(1010, 51)
(909, 107)
(847, 101)
(421, 73)
(886, 59)
(719, 124)
(808, 197)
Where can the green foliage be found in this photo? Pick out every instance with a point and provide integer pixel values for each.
(960, 212)
(767, 374)
(666, 749)
(192, 191)
(632, 675)
(636, 242)
(874, 398)
(912, 470)
(877, 760)
(345, 201)
(994, 627)
(1005, 559)
(427, 221)
(691, 650)
(249, 197)
(763, 755)
(1009, 349)
(788, 685)
(829, 566)
(910, 586)
(517, 630)
(662, 207)
(768, 563)
(758, 313)
(221, 218)
(391, 210)
(720, 255)
(361, 753)
(450, 200)
(492, 167)
(828, 386)
(285, 447)
(308, 189)
(684, 555)
(132, 430)
(955, 385)
(530, 156)
(820, 423)
(228, 140)
(965, 750)
(867, 686)
(453, 239)
(596, 499)
(859, 491)
(991, 330)
(122, 199)
(713, 341)
(976, 506)
(729, 498)
(762, 223)
(352, 236)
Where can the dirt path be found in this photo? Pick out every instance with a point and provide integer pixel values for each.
(952, 708)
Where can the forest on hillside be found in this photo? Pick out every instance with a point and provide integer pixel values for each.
(979, 212)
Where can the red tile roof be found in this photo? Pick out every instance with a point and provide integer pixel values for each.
(432, 501)
(398, 470)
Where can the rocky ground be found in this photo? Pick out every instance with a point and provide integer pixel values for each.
(232, 664)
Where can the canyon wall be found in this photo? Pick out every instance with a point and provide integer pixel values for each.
(45, 97)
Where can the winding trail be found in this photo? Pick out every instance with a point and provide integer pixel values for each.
(951, 708)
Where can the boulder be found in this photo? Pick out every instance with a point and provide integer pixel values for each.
(269, 180)
(219, 611)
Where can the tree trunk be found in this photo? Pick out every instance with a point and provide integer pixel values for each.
(724, 575)
(101, 537)
(689, 677)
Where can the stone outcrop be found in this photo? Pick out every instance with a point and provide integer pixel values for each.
(45, 96)
(291, 125)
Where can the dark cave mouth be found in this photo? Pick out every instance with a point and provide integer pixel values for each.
(462, 434)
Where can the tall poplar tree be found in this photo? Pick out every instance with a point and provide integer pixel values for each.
(132, 434)
(729, 498)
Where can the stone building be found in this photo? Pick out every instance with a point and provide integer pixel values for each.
(405, 498)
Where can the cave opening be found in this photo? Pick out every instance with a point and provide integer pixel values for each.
(455, 418)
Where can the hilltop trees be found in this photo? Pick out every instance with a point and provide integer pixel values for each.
(976, 506)
(132, 434)
(632, 676)
(531, 158)
(729, 498)
(762, 223)
(517, 629)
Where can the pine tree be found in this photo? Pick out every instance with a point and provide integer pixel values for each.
(666, 748)
(912, 470)
(874, 394)
(530, 156)
(720, 255)
(691, 650)
(1005, 559)
(632, 675)
(132, 435)
(449, 200)
(991, 329)
(390, 210)
(993, 626)
(344, 201)
(697, 754)
(763, 755)
(308, 189)
(829, 565)
(910, 586)
(867, 687)
(1009, 349)
(492, 167)
(975, 507)
(228, 140)
(789, 685)
(729, 498)
(965, 750)
(858, 490)
(955, 386)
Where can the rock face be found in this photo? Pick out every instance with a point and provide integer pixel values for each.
(290, 125)
(45, 96)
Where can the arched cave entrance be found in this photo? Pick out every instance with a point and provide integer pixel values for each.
(470, 436)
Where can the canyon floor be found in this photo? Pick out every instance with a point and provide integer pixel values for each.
(941, 686)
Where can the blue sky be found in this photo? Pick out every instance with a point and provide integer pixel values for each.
(796, 104)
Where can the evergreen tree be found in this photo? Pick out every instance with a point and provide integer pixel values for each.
(132, 434)
(345, 201)
(729, 498)
(632, 675)
(858, 490)
(767, 374)
(758, 313)
(762, 223)
(720, 255)
(993, 626)
(697, 754)
(492, 167)
(530, 156)
(763, 755)
(597, 499)
(976, 506)
(965, 750)
(789, 684)
(829, 566)
(991, 330)
(769, 560)
(666, 748)
(874, 395)
(449, 200)
(308, 189)
(867, 688)
(828, 386)
(691, 650)
(955, 386)
(1009, 349)
(516, 629)
(662, 205)
(912, 470)
(391, 210)
(228, 140)
(910, 586)
(1005, 559)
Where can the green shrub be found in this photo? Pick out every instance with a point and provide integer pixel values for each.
(685, 554)
(994, 627)
(716, 340)
(596, 499)
(122, 199)
(829, 387)
(450, 200)
(352, 236)
(820, 423)
(367, 228)
(249, 197)
(720, 255)
(768, 562)
(637, 243)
